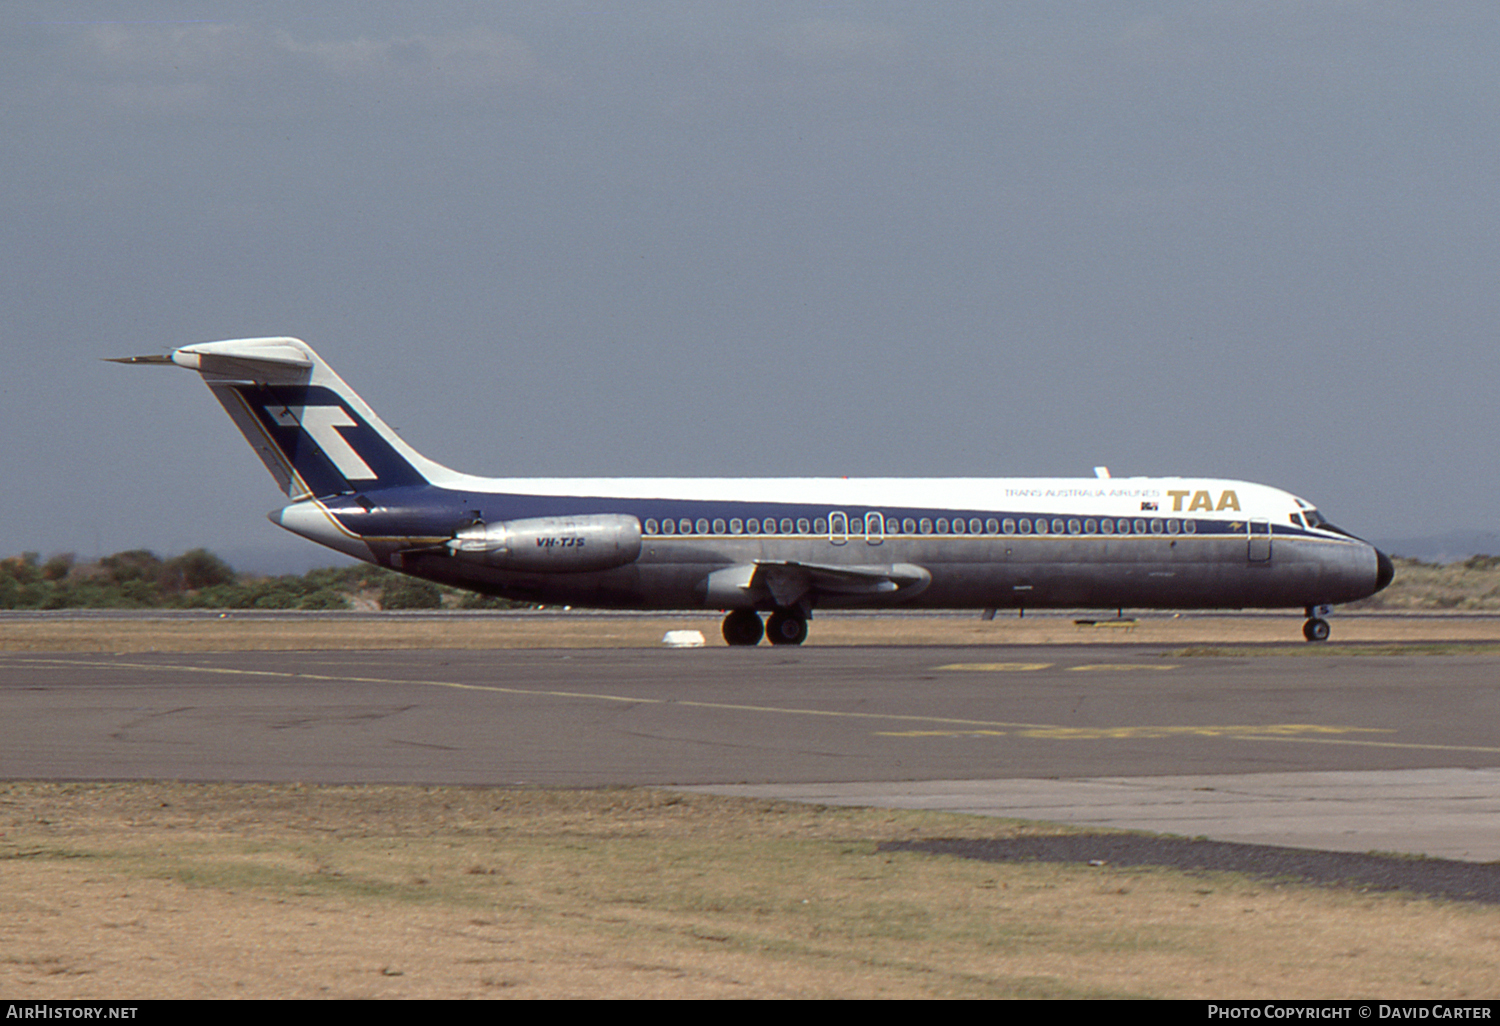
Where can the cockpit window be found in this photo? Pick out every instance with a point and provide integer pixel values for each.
(1318, 520)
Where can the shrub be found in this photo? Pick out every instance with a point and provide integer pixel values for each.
(410, 593)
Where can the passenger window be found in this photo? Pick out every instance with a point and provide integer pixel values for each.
(1089, 527)
(820, 526)
(803, 525)
(650, 526)
(1075, 527)
(752, 526)
(1041, 525)
(992, 526)
(702, 526)
(786, 525)
(941, 526)
(1057, 527)
(667, 527)
(1156, 526)
(926, 526)
(1107, 526)
(1140, 527)
(958, 525)
(735, 526)
(1008, 526)
(684, 526)
(1025, 526)
(719, 527)
(908, 526)
(1189, 527)
(1171, 527)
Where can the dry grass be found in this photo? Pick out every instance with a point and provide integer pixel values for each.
(135, 891)
(1470, 586)
(395, 631)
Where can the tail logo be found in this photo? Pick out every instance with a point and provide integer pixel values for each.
(321, 424)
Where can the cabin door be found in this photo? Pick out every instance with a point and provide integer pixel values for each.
(838, 527)
(1260, 541)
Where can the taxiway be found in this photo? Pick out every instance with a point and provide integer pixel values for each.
(1348, 752)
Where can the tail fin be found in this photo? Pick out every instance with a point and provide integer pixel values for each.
(315, 435)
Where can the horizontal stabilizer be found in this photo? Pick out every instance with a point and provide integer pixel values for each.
(161, 360)
(257, 360)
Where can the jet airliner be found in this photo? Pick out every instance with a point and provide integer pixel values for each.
(780, 547)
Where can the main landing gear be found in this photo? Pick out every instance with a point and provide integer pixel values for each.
(785, 627)
(743, 627)
(1316, 628)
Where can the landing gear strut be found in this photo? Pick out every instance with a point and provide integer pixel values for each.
(786, 628)
(1316, 628)
(743, 627)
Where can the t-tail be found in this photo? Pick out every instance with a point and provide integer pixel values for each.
(313, 432)
(317, 437)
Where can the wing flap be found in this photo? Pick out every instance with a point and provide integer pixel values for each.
(790, 583)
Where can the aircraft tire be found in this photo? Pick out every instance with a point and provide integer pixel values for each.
(743, 627)
(786, 628)
(1316, 629)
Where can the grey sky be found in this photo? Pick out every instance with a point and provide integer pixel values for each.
(1251, 240)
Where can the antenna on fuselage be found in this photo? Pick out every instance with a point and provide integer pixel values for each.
(1101, 472)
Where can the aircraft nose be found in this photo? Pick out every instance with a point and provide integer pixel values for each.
(1385, 570)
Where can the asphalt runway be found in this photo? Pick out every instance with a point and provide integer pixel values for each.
(1398, 753)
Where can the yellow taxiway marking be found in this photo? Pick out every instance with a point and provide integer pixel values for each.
(1246, 730)
(1305, 733)
(544, 693)
(1032, 667)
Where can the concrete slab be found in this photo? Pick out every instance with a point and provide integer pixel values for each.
(1444, 813)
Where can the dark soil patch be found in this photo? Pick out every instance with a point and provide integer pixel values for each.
(1438, 878)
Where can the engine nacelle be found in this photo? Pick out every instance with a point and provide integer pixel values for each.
(558, 545)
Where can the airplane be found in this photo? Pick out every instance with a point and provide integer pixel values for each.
(784, 546)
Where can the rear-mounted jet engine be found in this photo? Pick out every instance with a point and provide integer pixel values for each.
(559, 545)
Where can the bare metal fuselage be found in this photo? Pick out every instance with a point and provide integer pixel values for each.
(1150, 572)
(783, 545)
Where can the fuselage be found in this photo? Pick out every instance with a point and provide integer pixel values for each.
(1182, 543)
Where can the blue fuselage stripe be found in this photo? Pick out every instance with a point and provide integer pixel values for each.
(435, 511)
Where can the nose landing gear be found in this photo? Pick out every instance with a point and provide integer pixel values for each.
(1316, 628)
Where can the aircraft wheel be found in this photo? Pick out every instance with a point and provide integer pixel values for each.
(786, 629)
(1316, 629)
(743, 627)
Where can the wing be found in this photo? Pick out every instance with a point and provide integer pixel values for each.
(789, 583)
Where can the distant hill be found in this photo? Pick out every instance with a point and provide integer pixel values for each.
(1450, 547)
